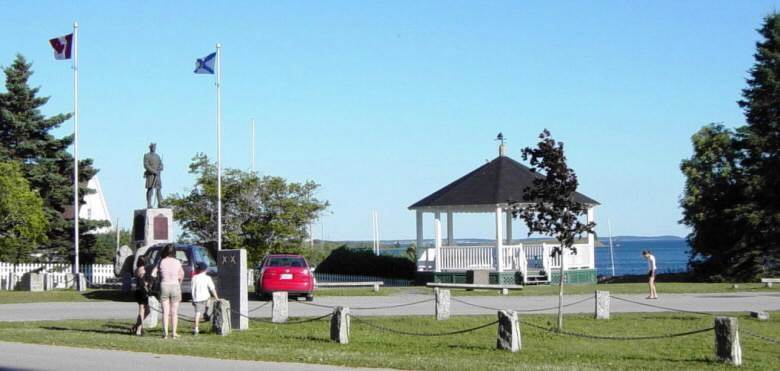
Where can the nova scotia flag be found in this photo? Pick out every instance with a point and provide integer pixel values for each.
(205, 65)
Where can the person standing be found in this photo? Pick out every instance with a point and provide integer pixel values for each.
(651, 268)
(141, 295)
(202, 291)
(171, 274)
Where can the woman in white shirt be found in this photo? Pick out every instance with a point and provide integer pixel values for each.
(651, 268)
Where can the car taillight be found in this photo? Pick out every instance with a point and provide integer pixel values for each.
(305, 272)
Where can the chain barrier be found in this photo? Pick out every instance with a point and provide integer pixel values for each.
(370, 308)
(599, 337)
(264, 320)
(258, 307)
(180, 316)
(762, 337)
(428, 334)
(522, 310)
(661, 307)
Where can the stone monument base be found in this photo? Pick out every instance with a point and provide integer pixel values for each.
(152, 226)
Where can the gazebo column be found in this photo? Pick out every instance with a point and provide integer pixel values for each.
(591, 238)
(420, 233)
(499, 240)
(450, 232)
(508, 227)
(437, 240)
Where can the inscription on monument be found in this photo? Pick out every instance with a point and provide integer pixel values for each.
(160, 227)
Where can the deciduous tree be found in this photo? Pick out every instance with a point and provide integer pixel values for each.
(548, 206)
(22, 220)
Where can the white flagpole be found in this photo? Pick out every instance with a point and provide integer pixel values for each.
(76, 146)
(253, 145)
(611, 255)
(219, 150)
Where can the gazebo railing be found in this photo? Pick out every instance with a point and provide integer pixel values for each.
(467, 257)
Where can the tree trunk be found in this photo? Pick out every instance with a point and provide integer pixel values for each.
(560, 290)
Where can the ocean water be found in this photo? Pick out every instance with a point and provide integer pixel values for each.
(671, 256)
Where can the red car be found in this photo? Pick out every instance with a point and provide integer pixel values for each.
(289, 273)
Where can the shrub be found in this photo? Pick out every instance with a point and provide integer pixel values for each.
(364, 262)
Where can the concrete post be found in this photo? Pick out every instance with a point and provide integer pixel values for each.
(504, 291)
(279, 307)
(602, 304)
(442, 303)
(81, 281)
(339, 325)
(376, 287)
(727, 348)
(508, 331)
(220, 319)
(154, 313)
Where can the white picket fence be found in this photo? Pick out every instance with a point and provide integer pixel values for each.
(58, 274)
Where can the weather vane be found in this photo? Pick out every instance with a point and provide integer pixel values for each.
(500, 137)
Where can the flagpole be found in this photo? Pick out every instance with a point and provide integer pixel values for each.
(253, 145)
(76, 146)
(219, 150)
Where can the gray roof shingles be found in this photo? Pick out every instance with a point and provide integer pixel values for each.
(499, 181)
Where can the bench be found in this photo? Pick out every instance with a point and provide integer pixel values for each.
(770, 281)
(504, 288)
(374, 284)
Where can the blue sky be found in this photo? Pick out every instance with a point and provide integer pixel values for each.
(385, 102)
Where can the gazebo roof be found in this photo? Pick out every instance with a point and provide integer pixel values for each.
(500, 181)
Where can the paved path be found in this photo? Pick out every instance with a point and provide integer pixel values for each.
(461, 305)
(47, 357)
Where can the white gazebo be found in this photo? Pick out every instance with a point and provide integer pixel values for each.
(492, 188)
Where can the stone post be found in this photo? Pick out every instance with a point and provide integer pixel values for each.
(233, 285)
(339, 325)
(727, 348)
(279, 307)
(155, 311)
(220, 319)
(32, 281)
(602, 304)
(508, 331)
(80, 281)
(759, 315)
(376, 287)
(442, 303)
(504, 291)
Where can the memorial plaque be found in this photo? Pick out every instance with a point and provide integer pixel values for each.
(138, 227)
(233, 285)
(160, 227)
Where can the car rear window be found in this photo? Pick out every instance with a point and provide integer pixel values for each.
(285, 261)
(202, 255)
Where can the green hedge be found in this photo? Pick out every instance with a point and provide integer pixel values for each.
(364, 262)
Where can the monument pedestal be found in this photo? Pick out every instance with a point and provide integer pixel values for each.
(152, 226)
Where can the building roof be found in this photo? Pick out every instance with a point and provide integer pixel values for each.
(500, 181)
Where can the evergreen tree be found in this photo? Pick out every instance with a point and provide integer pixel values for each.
(732, 191)
(25, 137)
(761, 143)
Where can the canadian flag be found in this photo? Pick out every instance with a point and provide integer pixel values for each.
(62, 46)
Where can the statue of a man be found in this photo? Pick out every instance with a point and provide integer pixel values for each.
(152, 167)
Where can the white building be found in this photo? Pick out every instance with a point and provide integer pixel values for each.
(95, 206)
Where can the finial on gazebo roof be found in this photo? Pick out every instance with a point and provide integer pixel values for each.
(501, 147)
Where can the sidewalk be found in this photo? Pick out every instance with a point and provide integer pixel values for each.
(46, 357)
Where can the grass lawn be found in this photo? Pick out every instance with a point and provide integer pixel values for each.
(308, 342)
(626, 288)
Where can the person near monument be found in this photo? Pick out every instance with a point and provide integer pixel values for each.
(202, 291)
(651, 268)
(141, 295)
(153, 166)
(171, 275)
